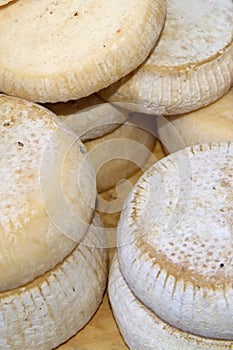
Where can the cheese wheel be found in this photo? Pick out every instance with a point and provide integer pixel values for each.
(90, 117)
(64, 50)
(190, 67)
(213, 123)
(175, 240)
(48, 311)
(47, 190)
(142, 329)
(119, 154)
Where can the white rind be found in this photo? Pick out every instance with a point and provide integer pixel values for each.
(142, 329)
(54, 307)
(61, 51)
(175, 240)
(47, 189)
(213, 123)
(90, 117)
(183, 78)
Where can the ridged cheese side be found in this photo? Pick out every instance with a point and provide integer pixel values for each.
(43, 314)
(144, 330)
(175, 239)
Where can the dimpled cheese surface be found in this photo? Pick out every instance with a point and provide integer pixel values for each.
(43, 211)
(190, 27)
(175, 239)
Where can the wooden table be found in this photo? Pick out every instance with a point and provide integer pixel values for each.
(102, 333)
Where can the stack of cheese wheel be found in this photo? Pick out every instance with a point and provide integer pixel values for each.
(170, 282)
(151, 56)
(53, 265)
(117, 147)
(54, 260)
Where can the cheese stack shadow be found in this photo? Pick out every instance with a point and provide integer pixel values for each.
(54, 258)
(170, 283)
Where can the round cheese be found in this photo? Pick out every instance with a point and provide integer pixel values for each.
(144, 330)
(64, 50)
(47, 190)
(175, 240)
(190, 66)
(48, 311)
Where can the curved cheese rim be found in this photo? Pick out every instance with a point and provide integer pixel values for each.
(175, 239)
(190, 66)
(213, 123)
(142, 329)
(120, 153)
(54, 307)
(4, 2)
(78, 47)
(47, 190)
(90, 117)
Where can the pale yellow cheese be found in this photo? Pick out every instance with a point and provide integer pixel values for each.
(64, 50)
(190, 66)
(47, 190)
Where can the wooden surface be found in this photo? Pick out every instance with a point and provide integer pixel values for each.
(101, 333)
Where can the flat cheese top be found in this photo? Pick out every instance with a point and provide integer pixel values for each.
(64, 50)
(194, 31)
(181, 210)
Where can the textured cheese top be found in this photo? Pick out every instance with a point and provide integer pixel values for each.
(190, 35)
(43, 197)
(90, 117)
(176, 240)
(65, 50)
